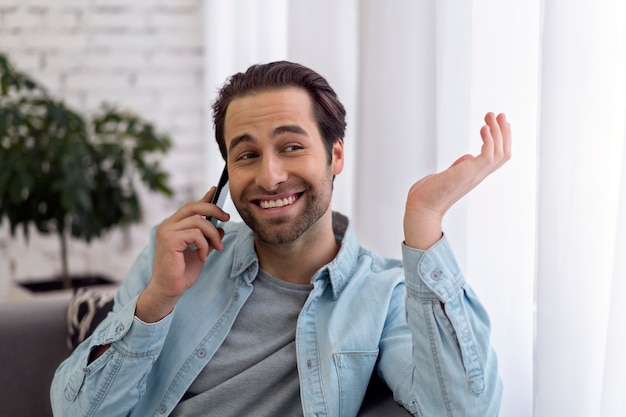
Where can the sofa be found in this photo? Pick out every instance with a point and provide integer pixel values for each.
(34, 340)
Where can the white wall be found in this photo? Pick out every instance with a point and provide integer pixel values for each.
(146, 56)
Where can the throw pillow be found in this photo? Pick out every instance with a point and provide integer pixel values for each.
(87, 308)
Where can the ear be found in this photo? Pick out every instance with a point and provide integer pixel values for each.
(338, 159)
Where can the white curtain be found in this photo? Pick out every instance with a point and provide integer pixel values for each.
(543, 240)
(580, 344)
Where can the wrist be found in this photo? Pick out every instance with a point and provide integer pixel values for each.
(152, 307)
(422, 229)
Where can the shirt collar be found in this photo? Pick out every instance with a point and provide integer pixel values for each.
(338, 271)
(341, 268)
(244, 257)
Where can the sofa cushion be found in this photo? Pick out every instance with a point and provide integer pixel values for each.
(87, 308)
(32, 344)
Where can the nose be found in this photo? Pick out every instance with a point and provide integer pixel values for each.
(271, 173)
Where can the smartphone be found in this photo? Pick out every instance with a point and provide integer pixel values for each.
(220, 193)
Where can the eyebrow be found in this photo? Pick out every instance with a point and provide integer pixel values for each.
(276, 132)
(240, 139)
(289, 129)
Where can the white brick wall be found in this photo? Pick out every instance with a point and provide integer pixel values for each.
(145, 55)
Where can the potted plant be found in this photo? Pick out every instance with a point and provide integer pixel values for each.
(68, 173)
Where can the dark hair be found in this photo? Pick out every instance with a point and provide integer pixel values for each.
(328, 111)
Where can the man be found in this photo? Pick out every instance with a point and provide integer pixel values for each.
(285, 314)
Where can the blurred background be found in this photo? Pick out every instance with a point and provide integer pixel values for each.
(541, 241)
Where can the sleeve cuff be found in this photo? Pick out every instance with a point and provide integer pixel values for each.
(132, 335)
(433, 273)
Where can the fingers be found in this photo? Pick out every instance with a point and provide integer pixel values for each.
(496, 135)
(202, 207)
(192, 233)
(200, 245)
(209, 195)
(505, 128)
(203, 232)
(188, 229)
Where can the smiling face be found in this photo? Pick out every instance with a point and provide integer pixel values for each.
(280, 178)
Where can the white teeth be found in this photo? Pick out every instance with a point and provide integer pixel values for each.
(278, 203)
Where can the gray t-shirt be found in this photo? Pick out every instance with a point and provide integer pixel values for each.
(254, 372)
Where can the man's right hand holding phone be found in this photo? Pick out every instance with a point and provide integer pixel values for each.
(183, 243)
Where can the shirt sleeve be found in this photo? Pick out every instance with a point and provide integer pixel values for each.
(454, 370)
(112, 384)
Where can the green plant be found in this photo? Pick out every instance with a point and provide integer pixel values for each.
(68, 173)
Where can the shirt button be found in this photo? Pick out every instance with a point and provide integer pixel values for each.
(120, 328)
(236, 296)
(435, 275)
(201, 353)
(86, 371)
(162, 409)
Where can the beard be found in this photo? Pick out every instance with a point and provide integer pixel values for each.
(287, 229)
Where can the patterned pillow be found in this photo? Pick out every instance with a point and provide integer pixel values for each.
(88, 307)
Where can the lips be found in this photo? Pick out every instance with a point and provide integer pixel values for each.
(279, 202)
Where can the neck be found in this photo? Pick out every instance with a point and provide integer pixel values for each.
(298, 261)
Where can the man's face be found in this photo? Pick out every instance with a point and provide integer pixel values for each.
(280, 179)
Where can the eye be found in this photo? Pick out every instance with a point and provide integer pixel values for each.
(292, 148)
(246, 156)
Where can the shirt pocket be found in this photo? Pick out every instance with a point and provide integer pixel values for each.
(354, 370)
(74, 383)
(78, 378)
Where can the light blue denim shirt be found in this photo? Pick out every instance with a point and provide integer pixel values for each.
(417, 323)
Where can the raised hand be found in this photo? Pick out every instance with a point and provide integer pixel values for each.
(431, 197)
(183, 243)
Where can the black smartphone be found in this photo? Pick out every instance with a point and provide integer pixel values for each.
(220, 193)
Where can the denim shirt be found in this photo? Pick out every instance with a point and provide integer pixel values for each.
(416, 323)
